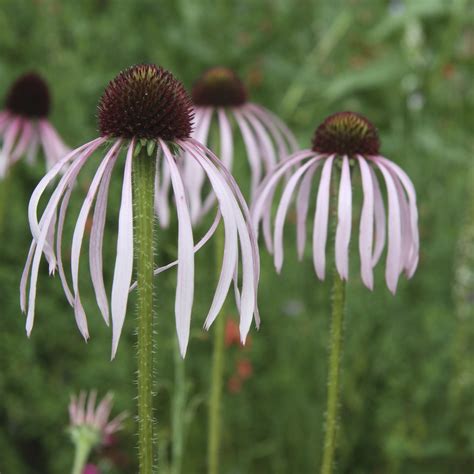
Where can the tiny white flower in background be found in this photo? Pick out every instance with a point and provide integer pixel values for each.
(24, 125)
(143, 106)
(341, 139)
(220, 98)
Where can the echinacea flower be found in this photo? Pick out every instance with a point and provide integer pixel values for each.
(144, 108)
(24, 125)
(221, 106)
(349, 141)
(90, 427)
(84, 415)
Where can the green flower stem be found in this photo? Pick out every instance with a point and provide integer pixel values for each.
(335, 354)
(81, 456)
(335, 344)
(143, 194)
(213, 442)
(179, 407)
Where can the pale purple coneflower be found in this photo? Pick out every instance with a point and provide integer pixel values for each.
(24, 124)
(85, 414)
(144, 108)
(222, 111)
(350, 141)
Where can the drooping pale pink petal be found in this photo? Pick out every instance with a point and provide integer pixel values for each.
(57, 148)
(262, 203)
(266, 146)
(366, 230)
(380, 220)
(226, 153)
(193, 173)
(124, 258)
(248, 243)
(44, 225)
(320, 227)
(290, 138)
(97, 238)
(81, 225)
(283, 209)
(393, 266)
(23, 141)
(302, 205)
(90, 409)
(344, 221)
(226, 207)
(283, 147)
(405, 228)
(411, 193)
(185, 280)
(253, 153)
(9, 140)
(162, 187)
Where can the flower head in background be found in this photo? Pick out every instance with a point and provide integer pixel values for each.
(145, 108)
(349, 141)
(220, 100)
(90, 427)
(86, 417)
(24, 125)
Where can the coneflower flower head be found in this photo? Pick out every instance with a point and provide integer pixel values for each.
(89, 423)
(345, 138)
(144, 106)
(145, 101)
(221, 105)
(24, 125)
(29, 97)
(219, 87)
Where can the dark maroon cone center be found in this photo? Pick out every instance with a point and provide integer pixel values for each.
(29, 97)
(346, 133)
(219, 87)
(145, 101)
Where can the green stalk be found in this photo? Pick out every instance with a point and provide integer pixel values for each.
(335, 354)
(213, 442)
(143, 194)
(335, 345)
(81, 456)
(179, 407)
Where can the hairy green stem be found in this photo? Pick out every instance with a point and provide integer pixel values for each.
(213, 442)
(335, 354)
(179, 406)
(143, 193)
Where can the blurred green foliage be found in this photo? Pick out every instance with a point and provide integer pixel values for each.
(408, 364)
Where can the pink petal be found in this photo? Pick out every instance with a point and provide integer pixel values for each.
(344, 224)
(366, 231)
(394, 231)
(124, 258)
(302, 205)
(380, 220)
(283, 209)
(185, 281)
(320, 226)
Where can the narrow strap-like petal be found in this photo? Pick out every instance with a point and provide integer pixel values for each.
(252, 150)
(394, 253)
(124, 259)
(366, 230)
(283, 209)
(344, 221)
(9, 140)
(81, 225)
(411, 193)
(227, 208)
(266, 146)
(302, 205)
(185, 280)
(96, 242)
(320, 226)
(380, 220)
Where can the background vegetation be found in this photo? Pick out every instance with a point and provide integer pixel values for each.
(408, 364)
